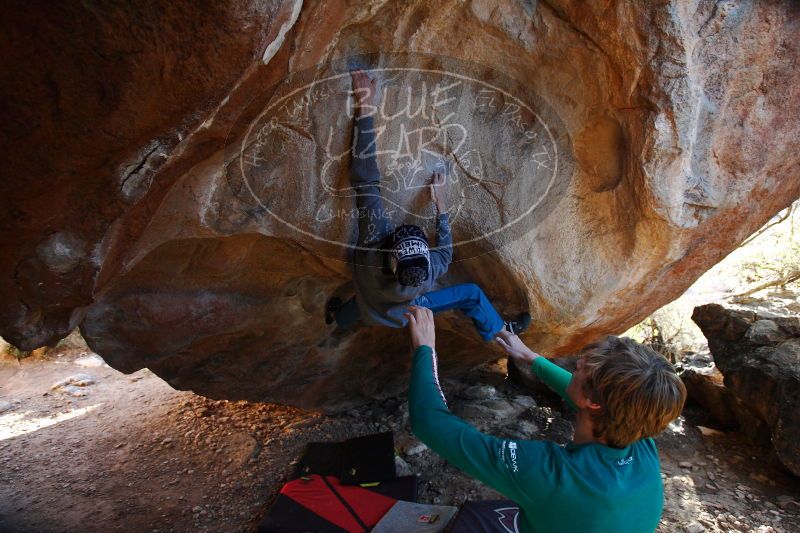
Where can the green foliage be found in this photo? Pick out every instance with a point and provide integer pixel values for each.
(16, 352)
(661, 334)
(775, 259)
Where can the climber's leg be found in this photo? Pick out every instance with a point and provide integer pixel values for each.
(470, 299)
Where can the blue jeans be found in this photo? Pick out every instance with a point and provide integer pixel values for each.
(468, 297)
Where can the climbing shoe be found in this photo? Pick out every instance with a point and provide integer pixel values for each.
(519, 324)
(331, 307)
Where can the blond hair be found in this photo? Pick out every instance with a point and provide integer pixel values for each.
(637, 389)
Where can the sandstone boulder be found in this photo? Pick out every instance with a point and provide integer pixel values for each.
(705, 385)
(175, 173)
(761, 376)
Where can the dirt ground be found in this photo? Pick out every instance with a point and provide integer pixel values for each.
(114, 452)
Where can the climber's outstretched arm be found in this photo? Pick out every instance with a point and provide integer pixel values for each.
(373, 223)
(442, 254)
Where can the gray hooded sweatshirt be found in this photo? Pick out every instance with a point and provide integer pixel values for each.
(381, 299)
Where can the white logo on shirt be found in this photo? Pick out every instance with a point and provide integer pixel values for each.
(512, 448)
(625, 462)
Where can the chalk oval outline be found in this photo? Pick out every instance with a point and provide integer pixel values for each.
(352, 246)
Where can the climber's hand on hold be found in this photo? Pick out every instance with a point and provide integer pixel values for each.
(421, 327)
(365, 92)
(438, 193)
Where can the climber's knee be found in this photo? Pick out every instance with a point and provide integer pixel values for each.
(471, 291)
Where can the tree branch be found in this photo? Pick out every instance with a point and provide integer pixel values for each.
(781, 218)
(782, 281)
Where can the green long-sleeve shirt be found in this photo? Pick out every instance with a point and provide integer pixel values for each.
(587, 487)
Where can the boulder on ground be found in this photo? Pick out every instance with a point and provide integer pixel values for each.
(761, 375)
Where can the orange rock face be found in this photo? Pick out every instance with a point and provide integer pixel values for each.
(176, 177)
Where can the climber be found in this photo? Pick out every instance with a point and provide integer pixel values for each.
(607, 479)
(393, 268)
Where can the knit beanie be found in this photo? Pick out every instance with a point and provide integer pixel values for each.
(410, 249)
